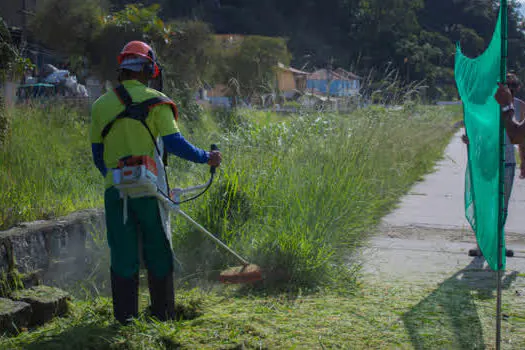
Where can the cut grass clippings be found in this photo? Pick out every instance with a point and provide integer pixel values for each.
(379, 316)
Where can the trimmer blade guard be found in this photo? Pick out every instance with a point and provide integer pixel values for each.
(241, 274)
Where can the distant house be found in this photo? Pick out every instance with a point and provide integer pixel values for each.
(337, 82)
(290, 80)
(218, 95)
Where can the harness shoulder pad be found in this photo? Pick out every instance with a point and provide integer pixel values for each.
(160, 100)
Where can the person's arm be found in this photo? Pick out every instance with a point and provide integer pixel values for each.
(515, 130)
(97, 149)
(521, 153)
(179, 146)
(175, 143)
(95, 137)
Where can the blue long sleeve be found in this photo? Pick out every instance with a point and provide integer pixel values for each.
(97, 149)
(176, 144)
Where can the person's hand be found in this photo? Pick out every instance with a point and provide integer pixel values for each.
(503, 95)
(522, 170)
(215, 159)
(465, 139)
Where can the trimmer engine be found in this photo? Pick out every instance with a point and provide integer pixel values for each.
(136, 176)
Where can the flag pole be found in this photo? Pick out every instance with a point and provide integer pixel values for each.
(503, 76)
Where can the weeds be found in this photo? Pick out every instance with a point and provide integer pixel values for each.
(294, 196)
(298, 195)
(10, 281)
(46, 168)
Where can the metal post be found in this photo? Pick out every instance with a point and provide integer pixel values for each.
(499, 272)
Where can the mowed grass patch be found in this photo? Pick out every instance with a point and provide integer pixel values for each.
(380, 315)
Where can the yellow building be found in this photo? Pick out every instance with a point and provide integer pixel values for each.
(290, 80)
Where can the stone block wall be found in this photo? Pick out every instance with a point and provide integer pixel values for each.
(37, 247)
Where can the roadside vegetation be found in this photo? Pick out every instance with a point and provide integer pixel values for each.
(296, 194)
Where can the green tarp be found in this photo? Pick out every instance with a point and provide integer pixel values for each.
(476, 80)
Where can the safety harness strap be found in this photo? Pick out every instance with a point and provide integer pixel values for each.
(137, 111)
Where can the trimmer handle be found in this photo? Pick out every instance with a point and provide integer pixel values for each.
(213, 147)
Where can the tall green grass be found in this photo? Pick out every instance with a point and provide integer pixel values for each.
(45, 166)
(297, 197)
(295, 194)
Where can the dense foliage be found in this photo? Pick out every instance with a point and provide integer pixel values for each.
(416, 36)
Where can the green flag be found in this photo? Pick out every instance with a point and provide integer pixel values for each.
(476, 80)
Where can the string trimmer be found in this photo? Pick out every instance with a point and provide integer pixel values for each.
(137, 177)
(246, 273)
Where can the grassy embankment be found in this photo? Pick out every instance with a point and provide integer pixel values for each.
(296, 196)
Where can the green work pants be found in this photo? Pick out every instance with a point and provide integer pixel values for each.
(123, 238)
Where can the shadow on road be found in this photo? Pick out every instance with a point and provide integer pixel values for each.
(448, 317)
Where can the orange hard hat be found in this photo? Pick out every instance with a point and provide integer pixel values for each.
(140, 49)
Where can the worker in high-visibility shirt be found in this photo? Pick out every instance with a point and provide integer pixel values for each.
(112, 140)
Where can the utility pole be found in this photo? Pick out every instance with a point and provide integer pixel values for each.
(329, 77)
(24, 22)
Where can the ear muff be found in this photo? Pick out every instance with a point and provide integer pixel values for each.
(153, 69)
(149, 69)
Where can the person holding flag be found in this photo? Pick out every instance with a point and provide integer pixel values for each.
(514, 85)
(509, 109)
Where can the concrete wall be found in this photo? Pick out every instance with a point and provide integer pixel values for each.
(36, 248)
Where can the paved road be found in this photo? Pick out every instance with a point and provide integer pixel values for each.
(438, 200)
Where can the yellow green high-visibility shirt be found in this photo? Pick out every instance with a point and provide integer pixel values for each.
(127, 136)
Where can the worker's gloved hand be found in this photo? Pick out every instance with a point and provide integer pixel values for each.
(503, 95)
(465, 139)
(215, 159)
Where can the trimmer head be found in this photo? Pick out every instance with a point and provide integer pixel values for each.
(241, 274)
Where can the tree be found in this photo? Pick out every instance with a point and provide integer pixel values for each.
(67, 26)
(190, 54)
(253, 64)
(134, 22)
(366, 34)
(8, 53)
(11, 66)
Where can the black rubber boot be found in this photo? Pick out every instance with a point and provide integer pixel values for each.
(162, 295)
(125, 297)
(475, 252)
